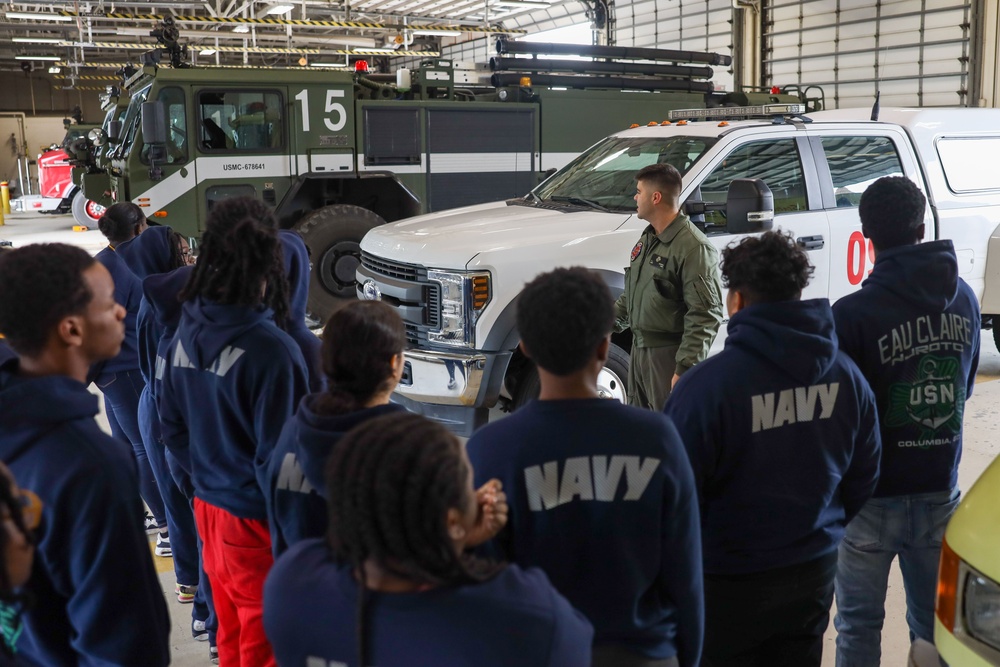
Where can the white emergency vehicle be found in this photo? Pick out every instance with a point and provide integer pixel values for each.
(455, 276)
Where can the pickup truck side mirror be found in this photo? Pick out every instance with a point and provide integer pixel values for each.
(749, 206)
(154, 134)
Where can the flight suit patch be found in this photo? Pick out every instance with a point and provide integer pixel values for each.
(658, 261)
(636, 250)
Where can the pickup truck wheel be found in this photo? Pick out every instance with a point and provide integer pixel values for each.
(333, 235)
(86, 212)
(611, 383)
(996, 331)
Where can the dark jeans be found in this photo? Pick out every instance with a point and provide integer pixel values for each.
(121, 401)
(775, 618)
(616, 656)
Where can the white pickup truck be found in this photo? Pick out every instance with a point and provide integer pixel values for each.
(455, 276)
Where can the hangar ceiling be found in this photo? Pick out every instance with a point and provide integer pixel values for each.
(86, 40)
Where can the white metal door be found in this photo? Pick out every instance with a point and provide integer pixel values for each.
(917, 50)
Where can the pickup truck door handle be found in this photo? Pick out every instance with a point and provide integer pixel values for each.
(810, 242)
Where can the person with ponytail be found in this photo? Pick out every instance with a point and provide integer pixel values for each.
(231, 381)
(362, 361)
(393, 583)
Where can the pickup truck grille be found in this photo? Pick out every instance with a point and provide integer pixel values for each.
(393, 269)
(420, 308)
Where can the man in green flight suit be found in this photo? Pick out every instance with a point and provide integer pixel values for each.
(673, 296)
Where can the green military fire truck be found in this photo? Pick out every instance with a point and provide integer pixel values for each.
(337, 152)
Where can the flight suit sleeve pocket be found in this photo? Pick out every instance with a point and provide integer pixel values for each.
(708, 293)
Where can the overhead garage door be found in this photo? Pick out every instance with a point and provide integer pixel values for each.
(918, 50)
(690, 25)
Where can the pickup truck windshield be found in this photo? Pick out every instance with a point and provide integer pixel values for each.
(604, 176)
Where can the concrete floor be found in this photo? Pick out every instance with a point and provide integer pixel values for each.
(982, 444)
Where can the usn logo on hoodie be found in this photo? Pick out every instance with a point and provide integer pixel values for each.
(933, 402)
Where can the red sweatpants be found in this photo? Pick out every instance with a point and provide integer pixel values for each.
(237, 557)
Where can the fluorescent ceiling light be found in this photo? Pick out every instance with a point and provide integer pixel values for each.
(55, 69)
(207, 52)
(52, 58)
(373, 50)
(31, 16)
(36, 40)
(435, 33)
(332, 66)
(242, 27)
(278, 9)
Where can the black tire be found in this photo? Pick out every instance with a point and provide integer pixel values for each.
(86, 212)
(333, 235)
(529, 386)
(996, 331)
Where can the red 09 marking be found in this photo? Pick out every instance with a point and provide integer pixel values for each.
(858, 258)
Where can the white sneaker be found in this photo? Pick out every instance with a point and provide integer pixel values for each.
(163, 544)
(199, 631)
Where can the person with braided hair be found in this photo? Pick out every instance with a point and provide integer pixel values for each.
(393, 583)
(232, 379)
(362, 360)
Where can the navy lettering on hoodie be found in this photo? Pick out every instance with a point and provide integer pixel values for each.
(232, 381)
(98, 599)
(296, 473)
(515, 618)
(781, 430)
(913, 329)
(576, 469)
(297, 269)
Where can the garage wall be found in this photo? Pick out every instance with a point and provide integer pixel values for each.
(49, 97)
(917, 50)
(690, 25)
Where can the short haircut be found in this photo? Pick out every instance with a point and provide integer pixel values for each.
(563, 316)
(892, 211)
(119, 221)
(664, 178)
(767, 268)
(39, 286)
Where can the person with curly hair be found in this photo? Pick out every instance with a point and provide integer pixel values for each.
(781, 429)
(231, 380)
(93, 570)
(393, 582)
(20, 513)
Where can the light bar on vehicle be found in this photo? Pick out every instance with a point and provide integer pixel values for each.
(725, 113)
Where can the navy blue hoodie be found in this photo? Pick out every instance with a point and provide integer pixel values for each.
(782, 433)
(149, 252)
(233, 380)
(159, 316)
(296, 474)
(98, 597)
(515, 618)
(574, 470)
(128, 293)
(913, 329)
(297, 269)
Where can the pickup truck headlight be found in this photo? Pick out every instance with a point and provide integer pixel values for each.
(982, 609)
(464, 295)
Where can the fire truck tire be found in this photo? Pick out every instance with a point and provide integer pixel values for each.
(612, 382)
(86, 212)
(333, 235)
(996, 331)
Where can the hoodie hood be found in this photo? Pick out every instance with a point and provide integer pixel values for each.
(924, 275)
(206, 328)
(161, 292)
(149, 252)
(31, 406)
(797, 336)
(297, 270)
(318, 435)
